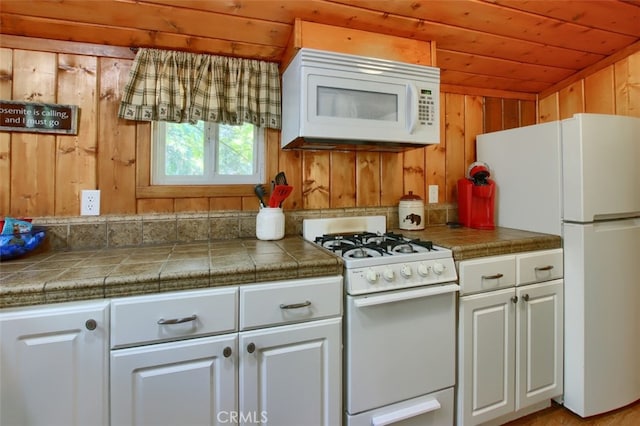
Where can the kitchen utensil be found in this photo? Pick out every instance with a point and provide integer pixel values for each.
(281, 179)
(280, 193)
(260, 193)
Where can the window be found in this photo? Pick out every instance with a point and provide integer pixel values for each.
(206, 154)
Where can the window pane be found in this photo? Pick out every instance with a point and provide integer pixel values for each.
(236, 150)
(184, 149)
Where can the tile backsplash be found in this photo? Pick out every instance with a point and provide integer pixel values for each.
(93, 232)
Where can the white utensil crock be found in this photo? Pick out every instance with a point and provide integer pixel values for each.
(270, 223)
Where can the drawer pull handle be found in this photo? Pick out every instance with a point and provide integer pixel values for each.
(544, 268)
(251, 348)
(492, 277)
(227, 352)
(163, 321)
(525, 297)
(296, 305)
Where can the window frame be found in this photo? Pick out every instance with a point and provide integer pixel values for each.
(211, 149)
(145, 190)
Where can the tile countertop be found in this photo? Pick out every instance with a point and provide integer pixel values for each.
(467, 243)
(92, 274)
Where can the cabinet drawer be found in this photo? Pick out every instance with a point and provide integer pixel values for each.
(487, 273)
(537, 266)
(290, 301)
(173, 316)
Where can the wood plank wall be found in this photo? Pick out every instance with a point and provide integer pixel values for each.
(612, 89)
(42, 175)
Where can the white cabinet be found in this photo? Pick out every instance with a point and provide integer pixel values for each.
(54, 365)
(291, 375)
(486, 357)
(259, 354)
(174, 358)
(510, 335)
(291, 371)
(188, 382)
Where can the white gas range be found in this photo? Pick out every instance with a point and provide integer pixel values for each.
(399, 322)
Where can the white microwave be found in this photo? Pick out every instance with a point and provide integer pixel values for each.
(338, 101)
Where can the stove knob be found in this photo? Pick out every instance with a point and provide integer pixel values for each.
(406, 271)
(438, 268)
(423, 269)
(388, 274)
(371, 276)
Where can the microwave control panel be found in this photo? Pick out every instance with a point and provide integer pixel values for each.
(426, 107)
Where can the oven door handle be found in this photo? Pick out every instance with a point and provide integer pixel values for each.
(405, 413)
(405, 295)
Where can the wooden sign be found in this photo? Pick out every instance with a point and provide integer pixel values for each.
(38, 118)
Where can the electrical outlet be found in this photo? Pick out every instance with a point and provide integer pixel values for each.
(90, 202)
(433, 194)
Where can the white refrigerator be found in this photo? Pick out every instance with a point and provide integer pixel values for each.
(580, 178)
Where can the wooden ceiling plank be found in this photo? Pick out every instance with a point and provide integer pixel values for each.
(87, 33)
(609, 15)
(269, 10)
(477, 64)
(492, 82)
(504, 21)
(609, 60)
(453, 38)
(69, 47)
(225, 28)
(481, 91)
(131, 14)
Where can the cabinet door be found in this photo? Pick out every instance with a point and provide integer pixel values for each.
(539, 346)
(54, 365)
(291, 375)
(486, 356)
(191, 382)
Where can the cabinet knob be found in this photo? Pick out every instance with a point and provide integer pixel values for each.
(91, 324)
(251, 347)
(525, 297)
(514, 299)
(227, 352)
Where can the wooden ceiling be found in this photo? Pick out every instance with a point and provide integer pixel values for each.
(493, 45)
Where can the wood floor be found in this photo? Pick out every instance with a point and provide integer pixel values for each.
(558, 415)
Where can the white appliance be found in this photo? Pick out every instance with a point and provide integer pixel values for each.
(580, 178)
(338, 101)
(399, 323)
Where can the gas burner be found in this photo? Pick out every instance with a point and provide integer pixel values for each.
(362, 252)
(404, 248)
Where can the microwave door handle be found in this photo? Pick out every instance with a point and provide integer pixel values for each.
(412, 99)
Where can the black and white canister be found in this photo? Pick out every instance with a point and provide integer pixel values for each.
(411, 212)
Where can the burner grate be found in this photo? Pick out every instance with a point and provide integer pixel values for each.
(381, 244)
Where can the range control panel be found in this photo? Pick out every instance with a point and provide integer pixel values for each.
(396, 276)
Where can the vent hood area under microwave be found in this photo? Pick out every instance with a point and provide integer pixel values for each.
(335, 101)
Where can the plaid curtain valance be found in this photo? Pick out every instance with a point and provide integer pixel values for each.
(186, 87)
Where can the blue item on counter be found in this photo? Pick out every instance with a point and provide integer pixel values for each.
(15, 226)
(18, 244)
